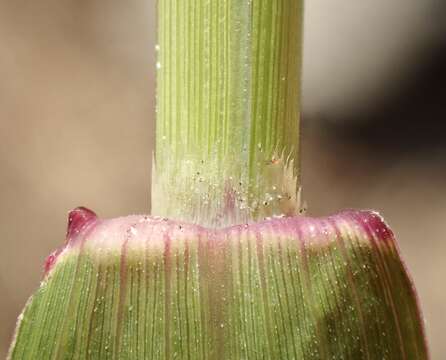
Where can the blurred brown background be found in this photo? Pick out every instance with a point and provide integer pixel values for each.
(76, 127)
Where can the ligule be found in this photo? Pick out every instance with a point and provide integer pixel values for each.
(291, 288)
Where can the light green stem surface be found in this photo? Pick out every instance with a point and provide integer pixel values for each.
(227, 136)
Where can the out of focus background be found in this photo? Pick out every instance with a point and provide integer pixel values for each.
(77, 111)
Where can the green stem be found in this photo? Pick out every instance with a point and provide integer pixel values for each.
(227, 137)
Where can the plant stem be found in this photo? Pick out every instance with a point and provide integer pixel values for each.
(227, 137)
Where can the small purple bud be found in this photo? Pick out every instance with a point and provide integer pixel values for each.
(77, 220)
(51, 260)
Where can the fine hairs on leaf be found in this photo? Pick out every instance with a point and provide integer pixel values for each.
(228, 266)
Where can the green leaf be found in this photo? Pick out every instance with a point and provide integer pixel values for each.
(288, 288)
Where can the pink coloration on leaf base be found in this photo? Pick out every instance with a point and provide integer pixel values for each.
(78, 220)
(84, 227)
(292, 287)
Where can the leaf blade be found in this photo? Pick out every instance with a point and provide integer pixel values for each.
(303, 288)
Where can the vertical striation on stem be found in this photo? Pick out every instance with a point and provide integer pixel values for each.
(227, 137)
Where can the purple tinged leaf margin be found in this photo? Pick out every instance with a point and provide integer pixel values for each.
(287, 288)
